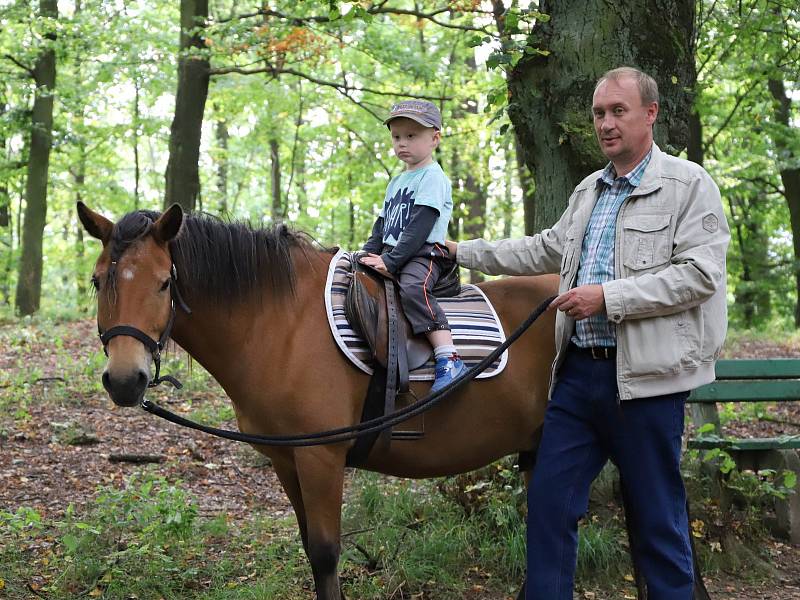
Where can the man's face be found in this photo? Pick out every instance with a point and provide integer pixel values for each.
(413, 143)
(624, 126)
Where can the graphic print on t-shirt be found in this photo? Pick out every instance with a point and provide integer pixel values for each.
(397, 214)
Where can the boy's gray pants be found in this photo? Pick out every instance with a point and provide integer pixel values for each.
(417, 278)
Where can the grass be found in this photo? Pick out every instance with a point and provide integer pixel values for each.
(147, 541)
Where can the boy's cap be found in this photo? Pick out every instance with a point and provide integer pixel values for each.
(423, 112)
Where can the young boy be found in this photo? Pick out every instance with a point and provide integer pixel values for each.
(408, 237)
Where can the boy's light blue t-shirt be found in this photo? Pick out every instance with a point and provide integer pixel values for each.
(428, 186)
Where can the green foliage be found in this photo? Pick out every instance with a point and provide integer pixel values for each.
(741, 48)
(115, 94)
(147, 541)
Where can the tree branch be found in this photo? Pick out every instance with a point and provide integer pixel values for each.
(722, 127)
(763, 181)
(344, 88)
(383, 165)
(372, 10)
(27, 69)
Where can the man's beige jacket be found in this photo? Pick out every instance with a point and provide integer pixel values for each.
(668, 301)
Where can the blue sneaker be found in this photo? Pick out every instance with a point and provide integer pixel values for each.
(447, 370)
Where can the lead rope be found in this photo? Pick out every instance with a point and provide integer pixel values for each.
(344, 434)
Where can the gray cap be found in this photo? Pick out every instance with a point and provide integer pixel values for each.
(423, 112)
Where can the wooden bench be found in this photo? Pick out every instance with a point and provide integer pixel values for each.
(758, 380)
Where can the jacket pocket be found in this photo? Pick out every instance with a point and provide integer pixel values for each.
(646, 241)
(571, 249)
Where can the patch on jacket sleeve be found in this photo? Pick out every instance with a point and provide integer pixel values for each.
(710, 223)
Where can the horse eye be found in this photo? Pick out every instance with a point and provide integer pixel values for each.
(95, 282)
(165, 285)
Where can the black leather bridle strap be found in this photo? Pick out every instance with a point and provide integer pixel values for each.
(155, 347)
(130, 331)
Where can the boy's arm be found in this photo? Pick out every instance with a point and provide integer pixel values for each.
(419, 227)
(375, 241)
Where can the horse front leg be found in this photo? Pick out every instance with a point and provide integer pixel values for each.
(320, 472)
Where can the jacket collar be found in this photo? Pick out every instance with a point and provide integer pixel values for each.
(651, 178)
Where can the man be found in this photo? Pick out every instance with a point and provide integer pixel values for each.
(642, 301)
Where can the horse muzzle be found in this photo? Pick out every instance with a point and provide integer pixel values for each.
(126, 389)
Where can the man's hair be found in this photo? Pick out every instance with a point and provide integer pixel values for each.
(648, 88)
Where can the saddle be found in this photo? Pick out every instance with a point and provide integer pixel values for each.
(371, 303)
(373, 308)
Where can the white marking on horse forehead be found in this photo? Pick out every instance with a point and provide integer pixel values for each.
(128, 273)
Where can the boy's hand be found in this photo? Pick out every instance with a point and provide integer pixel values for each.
(374, 261)
(452, 247)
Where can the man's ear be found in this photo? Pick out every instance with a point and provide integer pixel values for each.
(168, 224)
(652, 112)
(95, 224)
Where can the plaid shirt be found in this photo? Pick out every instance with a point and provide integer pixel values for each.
(597, 253)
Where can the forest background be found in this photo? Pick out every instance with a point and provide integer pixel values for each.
(104, 101)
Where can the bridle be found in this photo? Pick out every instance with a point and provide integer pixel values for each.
(155, 347)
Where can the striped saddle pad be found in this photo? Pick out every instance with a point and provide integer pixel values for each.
(476, 329)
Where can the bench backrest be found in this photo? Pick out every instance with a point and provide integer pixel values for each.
(752, 380)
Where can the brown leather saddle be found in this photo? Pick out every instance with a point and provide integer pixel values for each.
(373, 308)
(368, 308)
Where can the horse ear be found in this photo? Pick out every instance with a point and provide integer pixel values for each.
(168, 224)
(95, 224)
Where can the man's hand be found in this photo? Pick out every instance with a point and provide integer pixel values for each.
(581, 302)
(374, 261)
(452, 248)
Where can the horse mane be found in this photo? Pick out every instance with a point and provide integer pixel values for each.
(218, 260)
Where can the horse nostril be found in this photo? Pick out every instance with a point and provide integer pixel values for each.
(106, 381)
(144, 379)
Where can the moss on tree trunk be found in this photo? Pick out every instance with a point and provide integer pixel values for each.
(551, 95)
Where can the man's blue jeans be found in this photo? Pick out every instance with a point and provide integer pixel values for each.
(585, 425)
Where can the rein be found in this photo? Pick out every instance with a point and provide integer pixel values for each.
(330, 436)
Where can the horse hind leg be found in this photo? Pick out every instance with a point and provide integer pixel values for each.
(321, 476)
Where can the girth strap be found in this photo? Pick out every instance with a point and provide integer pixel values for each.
(397, 361)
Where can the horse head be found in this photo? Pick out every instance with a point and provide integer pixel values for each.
(133, 278)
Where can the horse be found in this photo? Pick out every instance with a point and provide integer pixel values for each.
(258, 325)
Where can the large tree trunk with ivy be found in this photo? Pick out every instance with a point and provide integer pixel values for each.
(29, 282)
(182, 176)
(551, 94)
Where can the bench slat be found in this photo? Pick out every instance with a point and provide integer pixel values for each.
(779, 443)
(758, 368)
(751, 390)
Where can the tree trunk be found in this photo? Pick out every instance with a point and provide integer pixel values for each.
(790, 176)
(702, 412)
(528, 185)
(475, 222)
(182, 177)
(29, 283)
(551, 95)
(137, 171)
(222, 136)
(508, 198)
(5, 223)
(5, 199)
(275, 177)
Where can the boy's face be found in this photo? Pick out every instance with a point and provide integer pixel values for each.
(413, 143)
